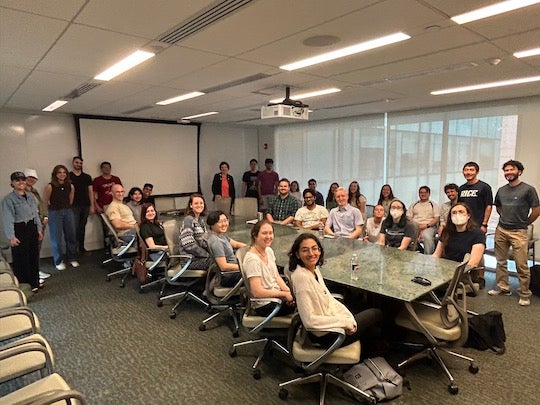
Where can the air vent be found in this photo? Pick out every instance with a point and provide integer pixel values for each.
(202, 19)
(136, 110)
(244, 80)
(81, 90)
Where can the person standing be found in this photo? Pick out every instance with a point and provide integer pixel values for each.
(102, 187)
(268, 183)
(147, 191)
(312, 185)
(451, 191)
(83, 202)
(223, 184)
(23, 229)
(518, 206)
(250, 180)
(31, 180)
(59, 195)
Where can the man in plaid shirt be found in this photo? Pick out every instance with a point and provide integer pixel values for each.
(283, 206)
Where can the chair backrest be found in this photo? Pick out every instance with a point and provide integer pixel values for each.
(369, 210)
(454, 311)
(246, 207)
(240, 255)
(223, 204)
(110, 227)
(171, 231)
(413, 246)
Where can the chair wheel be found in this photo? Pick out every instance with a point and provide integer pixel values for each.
(232, 351)
(257, 374)
(283, 394)
(473, 368)
(108, 279)
(172, 315)
(453, 389)
(159, 303)
(141, 289)
(121, 285)
(235, 334)
(202, 327)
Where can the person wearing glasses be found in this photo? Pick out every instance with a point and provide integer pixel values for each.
(318, 309)
(311, 215)
(222, 248)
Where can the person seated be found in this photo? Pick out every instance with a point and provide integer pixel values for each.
(311, 215)
(357, 199)
(151, 230)
(283, 206)
(461, 236)
(397, 231)
(385, 198)
(344, 220)
(312, 185)
(373, 224)
(426, 215)
(331, 198)
(222, 248)
(261, 271)
(134, 201)
(120, 215)
(318, 309)
(193, 233)
(295, 192)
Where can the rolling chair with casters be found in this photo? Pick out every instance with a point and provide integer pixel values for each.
(222, 299)
(178, 274)
(321, 364)
(245, 207)
(260, 326)
(155, 267)
(121, 251)
(444, 326)
(17, 322)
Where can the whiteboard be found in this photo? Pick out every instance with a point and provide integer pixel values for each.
(164, 154)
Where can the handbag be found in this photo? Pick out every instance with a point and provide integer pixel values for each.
(376, 378)
(486, 331)
(140, 271)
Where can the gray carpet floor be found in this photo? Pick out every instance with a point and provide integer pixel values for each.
(117, 347)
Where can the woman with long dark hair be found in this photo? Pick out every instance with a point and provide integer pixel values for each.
(331, 198)
(151, 230)
(396, 230)
(356, 198)
(385, 198)
(134, 201)
(58, 196)
(318, 309)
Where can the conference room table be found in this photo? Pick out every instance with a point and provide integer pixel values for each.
(382, 270)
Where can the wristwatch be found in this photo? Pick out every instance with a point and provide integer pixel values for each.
(484, 225)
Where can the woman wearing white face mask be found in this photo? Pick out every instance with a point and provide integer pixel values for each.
(461, 236)
(396, 230)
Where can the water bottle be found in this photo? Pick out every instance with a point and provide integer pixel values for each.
(321, 229)
(354, 267)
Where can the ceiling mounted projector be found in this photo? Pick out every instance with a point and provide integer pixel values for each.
(287, 109)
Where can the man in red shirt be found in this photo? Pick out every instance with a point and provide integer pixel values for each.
(268, 181)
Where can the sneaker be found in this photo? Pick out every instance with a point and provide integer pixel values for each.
(74, 263)
(41, 281)
(524, 302)
(61, 266)
(499, 291)
(43, 275)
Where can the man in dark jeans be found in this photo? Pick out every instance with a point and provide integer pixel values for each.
(83, 202)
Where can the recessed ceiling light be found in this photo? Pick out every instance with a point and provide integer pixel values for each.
(200, 115)
(308, 95)
(125, 64)
(487, 85)
(182, 97)
(494, 9)
(55, 105)
(527, 53)
(350, 50)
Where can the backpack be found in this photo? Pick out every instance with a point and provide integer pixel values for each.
(486, 331)
(535, 280)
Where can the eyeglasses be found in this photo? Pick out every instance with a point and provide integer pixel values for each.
(459, 212)
(313, 249)
(309, 197)
(223, 221)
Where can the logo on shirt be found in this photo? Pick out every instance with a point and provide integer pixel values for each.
(469, 193)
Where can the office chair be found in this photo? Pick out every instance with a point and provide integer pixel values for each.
(245, 207)
(444, 326)
(52, 389)
(369, 210)
(222, 299)
(178, 274)
(16, 322)
(8, 279)
(260, 326)
(120, 251)
(223, 204)
(155, 267)
(413, 246)
(11, 297)
(321, 364)
(25, 356)
(531, 244)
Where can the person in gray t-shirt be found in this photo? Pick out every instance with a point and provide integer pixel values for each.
(518, 206)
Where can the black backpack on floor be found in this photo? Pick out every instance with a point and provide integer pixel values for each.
(535, 280)
(486, 331)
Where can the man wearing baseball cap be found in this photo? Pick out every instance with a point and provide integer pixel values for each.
(31, 180)
(23, 229)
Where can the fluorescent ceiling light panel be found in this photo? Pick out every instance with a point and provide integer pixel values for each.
(527, 53)
(200, 115)
(487, 85)
(308, 95)
(494, 9)
(125, 64)
(55, 105)
(183, 97)
(350, 50)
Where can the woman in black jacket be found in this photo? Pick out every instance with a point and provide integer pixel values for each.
(223, 184)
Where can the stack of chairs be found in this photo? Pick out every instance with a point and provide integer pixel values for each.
(25, 355)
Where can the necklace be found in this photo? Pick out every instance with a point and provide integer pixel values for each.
(262, 254)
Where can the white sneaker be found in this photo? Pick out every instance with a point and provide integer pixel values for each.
(61, 266)
(41, 281)
(74, 263)
(524, 302)
(498, 291)
(43, 275)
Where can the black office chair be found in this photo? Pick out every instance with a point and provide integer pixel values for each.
(444, 326)
(120, 251)
(155, 261)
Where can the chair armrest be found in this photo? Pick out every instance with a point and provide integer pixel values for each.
(340, 337)
(22, 297)
(6, 313)
(54, 396)
(269, 317)
(184, 268)
(27, 348)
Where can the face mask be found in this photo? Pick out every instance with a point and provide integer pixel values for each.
(459, 219)
(396, 213)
